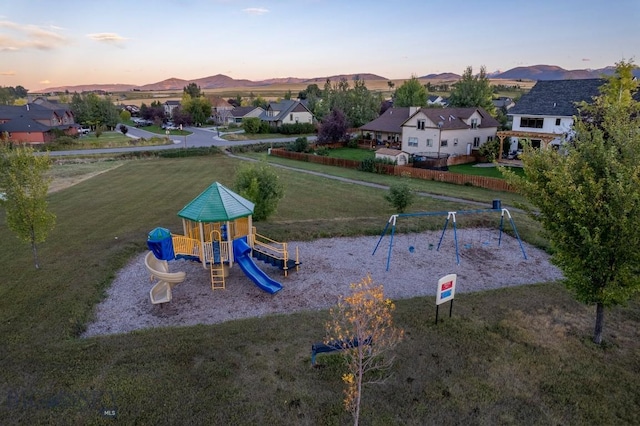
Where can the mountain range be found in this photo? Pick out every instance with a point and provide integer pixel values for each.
(534, 72)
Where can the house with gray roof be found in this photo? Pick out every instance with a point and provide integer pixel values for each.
(36, 122)
(238, 113)
(387, 128)
(549, 107)
(286, 111)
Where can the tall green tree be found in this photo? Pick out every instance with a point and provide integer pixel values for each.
(473, 91)
(259, 183)
(24, 181)
(411, 93)
(93, 110)
(587, 197)
(192, 90)
(199, 109)
(358, 103)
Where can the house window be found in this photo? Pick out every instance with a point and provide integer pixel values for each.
(531, 122)
(413, 142)
(421, 124)
(455, 142)
(489, 138)
(290, 117)
(444, 142)
(429, 142)
(474, 123)
(476, 142)
(557, 121)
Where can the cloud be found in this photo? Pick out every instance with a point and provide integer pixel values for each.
(7, 73)
(14, 36)
(255, 11)
(109, 38)
(44, 82)
(585, 59)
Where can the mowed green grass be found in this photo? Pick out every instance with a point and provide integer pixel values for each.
(513, 356)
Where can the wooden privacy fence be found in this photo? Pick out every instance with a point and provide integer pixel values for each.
(435, 175)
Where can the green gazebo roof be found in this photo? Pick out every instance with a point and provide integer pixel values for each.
(217, 203)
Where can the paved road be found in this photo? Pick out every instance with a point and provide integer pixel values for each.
(200, 137)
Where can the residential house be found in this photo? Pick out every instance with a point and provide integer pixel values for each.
(443, 132)
(503, 102)
(220, 109)
(435, 100)
(387, 128)
(238, 113)
(35, 122)
(545, 114)
(287, 111)
(169, 106)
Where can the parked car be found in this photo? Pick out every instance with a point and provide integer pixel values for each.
(84, 130)
(169, 126)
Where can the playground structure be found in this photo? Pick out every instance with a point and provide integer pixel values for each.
(218, 232)
(159, 269)
(451, 216)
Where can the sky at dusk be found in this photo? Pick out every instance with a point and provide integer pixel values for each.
(61, 43)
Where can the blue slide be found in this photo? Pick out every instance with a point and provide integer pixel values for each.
(242, 255)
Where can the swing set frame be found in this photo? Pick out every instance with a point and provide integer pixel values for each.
(451, 217)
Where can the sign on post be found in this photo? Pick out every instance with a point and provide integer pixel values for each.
(446, 292)
(446, 288)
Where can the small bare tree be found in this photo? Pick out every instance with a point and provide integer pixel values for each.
(362, 325)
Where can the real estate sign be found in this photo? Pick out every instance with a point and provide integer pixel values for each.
(446, 288)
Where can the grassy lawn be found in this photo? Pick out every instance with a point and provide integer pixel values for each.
(513, 356)
(356, 154)
(257, 136)
(108, 140)
(471, 169)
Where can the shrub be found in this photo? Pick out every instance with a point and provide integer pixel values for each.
(251, 125)
(400, 196)
(300, 145)
(322, 151)
(490, 150)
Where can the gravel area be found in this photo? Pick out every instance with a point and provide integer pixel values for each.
(328, 267)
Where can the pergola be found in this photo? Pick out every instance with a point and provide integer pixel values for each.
(545, 138)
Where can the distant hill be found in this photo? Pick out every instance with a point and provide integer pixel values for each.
(348, 77)
(442, 76)
(552, 72)
(218, 81)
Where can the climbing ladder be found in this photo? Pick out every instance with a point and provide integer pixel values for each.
(215, 262)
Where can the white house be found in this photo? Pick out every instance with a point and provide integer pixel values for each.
(447, 131)
(548, 110)
(286, 112)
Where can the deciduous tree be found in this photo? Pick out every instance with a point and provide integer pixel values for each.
(193, 90)
(333, 128)
(362, 324)
(411, 93)
(259, 183)
(473, 91)
(24, 181)
(587, 197)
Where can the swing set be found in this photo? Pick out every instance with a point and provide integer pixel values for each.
(451, 217)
